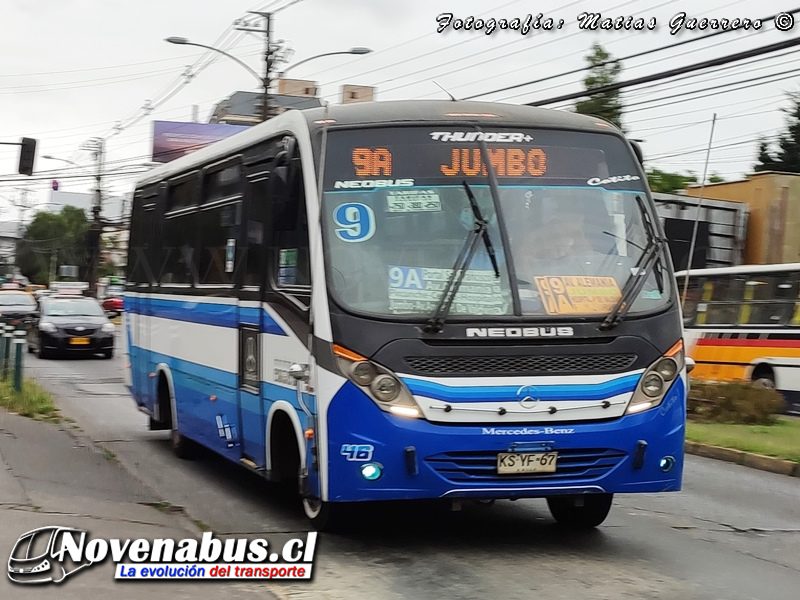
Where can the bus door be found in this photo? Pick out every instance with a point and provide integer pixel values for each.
(250, 261)
(291, 385)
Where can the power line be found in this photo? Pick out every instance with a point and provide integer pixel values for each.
(629, 57)
(612, 87)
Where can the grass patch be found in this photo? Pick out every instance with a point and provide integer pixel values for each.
(201, 525)
(781, 440)
(32, 402)
(109, 455)
(165, 507)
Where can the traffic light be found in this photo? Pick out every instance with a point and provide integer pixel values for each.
(27, 154)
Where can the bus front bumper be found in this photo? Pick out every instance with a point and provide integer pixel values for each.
(417, 459)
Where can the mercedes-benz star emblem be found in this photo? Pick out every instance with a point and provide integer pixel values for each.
(528, 396)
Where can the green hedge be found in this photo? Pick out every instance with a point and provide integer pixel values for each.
(736, 402)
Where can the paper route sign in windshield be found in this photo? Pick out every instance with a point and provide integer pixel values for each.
(578, 295)
(419, 289)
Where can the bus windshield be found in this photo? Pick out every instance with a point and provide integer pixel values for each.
(570, 230)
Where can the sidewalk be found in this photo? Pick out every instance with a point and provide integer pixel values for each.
(50, 475)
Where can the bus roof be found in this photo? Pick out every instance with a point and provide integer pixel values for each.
(487, 114)
(743, 269)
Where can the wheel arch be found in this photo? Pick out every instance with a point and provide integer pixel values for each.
(759, 366)
(282, 406)
(163, 371)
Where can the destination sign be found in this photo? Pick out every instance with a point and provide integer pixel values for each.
(429, 157)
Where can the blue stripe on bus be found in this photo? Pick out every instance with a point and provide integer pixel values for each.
(569, 391)
(206, 313)
(224, 378)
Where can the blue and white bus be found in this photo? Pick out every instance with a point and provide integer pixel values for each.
(413, 300)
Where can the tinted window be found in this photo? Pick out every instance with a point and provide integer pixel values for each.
(178, 249)
(223, 183)
(290, 251)
(72, 308)
(181, 195)
(219, 227)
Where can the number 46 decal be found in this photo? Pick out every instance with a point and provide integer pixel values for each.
(357, 452)
(356, 222)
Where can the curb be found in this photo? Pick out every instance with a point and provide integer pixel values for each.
(746, 459)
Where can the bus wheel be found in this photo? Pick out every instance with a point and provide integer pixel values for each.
(182, 446)
(324, 516)
(580, 512)
(764, 377)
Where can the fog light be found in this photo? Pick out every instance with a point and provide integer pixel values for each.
(371, 471)
(666, 463)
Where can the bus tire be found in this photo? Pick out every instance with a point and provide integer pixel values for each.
(326, 517)
(763, 376)
(182, 447)
(580, 512)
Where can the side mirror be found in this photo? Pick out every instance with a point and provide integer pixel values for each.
(637, 149)
(690, 365)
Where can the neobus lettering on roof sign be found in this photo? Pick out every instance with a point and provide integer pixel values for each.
(448, 299)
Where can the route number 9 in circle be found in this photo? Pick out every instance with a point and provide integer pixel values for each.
(355, 221)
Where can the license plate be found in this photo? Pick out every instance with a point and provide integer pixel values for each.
(79, 341)
(512, 463)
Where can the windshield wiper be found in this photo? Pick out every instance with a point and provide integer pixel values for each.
(479, 231)
(639, 273)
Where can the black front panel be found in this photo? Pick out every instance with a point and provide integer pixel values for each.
(497, 349)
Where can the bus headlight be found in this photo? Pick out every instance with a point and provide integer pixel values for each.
(377, 382)
(667, 368)
(363, 373)
(654, 382)
(385, 388)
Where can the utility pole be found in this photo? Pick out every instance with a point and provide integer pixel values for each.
(96, 226)
(53, 264)
(266, 31)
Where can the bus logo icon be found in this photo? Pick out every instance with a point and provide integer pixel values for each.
(39, 556)
(528, 396)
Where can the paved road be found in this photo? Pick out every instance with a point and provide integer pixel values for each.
(733, 533)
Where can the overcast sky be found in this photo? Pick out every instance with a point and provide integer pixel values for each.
(71, 70)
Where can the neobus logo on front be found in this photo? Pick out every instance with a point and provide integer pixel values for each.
(519, 332)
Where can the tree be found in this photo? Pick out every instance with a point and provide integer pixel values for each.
(715, 178)
(61, 235)
(604, 70)
(786, 157)
(668, 183)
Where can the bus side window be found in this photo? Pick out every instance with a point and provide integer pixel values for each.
(220, 220)
(179, 240)
(692, 301)
(257, 194)
(289, 250)
(770, 299)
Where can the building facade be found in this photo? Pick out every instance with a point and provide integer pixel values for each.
(721, 230)
(773, 198)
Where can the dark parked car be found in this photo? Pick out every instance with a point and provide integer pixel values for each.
(17, 308)
(71, 324)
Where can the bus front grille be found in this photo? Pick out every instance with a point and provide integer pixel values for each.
(576, 364)
(481, 466)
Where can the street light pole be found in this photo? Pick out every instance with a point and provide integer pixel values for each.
(264, 81)
(305, 60)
